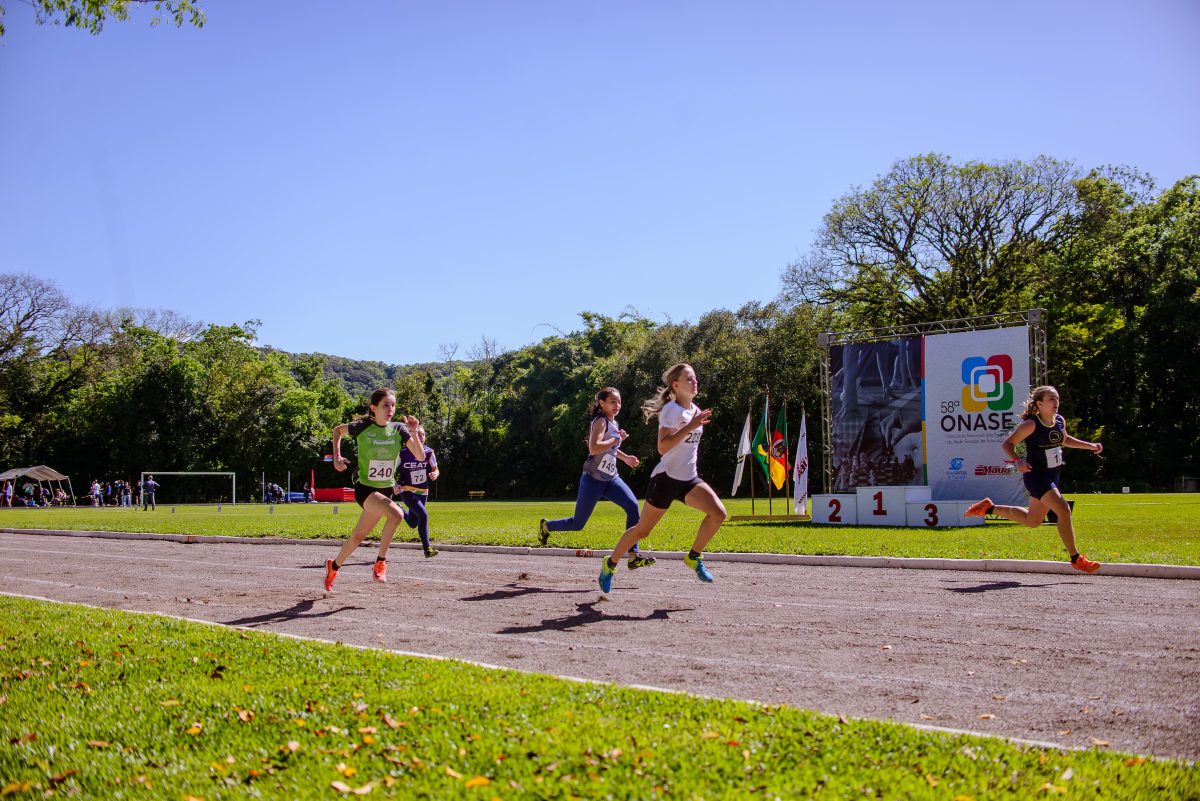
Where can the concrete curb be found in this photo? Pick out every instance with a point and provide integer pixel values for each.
(1126, 569)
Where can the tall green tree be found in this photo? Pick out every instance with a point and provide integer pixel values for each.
(91, 15)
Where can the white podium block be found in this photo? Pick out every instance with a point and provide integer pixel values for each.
(933, 514)
(917, 494)
(963, 520)
(835, 509)
(882, 506)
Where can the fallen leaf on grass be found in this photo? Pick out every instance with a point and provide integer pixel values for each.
(709, 735)
(245, 715)
(1129, 763)
(170, 702)
(98, 743)
(346, 789)
(1100, 743)
(62, 777)
(1052, 789)
(452, 773)
(930, 780)
(478, 781)
(15, 787)
(195, 729)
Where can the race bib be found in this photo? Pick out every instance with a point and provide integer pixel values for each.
(380, 470)
(608, 465)
(418, 477)
(1054, 457)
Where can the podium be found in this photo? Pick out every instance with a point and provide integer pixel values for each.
(891, 506)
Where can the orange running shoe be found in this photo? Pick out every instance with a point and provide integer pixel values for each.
(330, 575)
(979, 508)
(1085, 564)
(381, 571)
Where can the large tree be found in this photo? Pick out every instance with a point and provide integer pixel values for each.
(932, 240)
(92, 14)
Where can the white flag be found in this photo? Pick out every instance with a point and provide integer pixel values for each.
(800, 471)
(742, 452)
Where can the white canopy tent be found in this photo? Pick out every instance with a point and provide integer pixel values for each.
(39, 473)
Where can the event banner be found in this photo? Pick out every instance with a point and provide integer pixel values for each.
(976, 383)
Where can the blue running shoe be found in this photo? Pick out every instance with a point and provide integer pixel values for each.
(698, 565)
(606, 576)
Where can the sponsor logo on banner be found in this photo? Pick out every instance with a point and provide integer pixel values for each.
(993, 469)
(955, 471)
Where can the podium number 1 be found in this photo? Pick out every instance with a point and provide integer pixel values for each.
(879, 510)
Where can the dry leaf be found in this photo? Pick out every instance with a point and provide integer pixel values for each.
(930, 780)
(452, 773)
(170, 702)
(1129, 763)
(1100, 743)
(98, 743)
(195, 729)
(999, 697)
(709, 735)
(926, 717)
(478, 781)
(987, 716)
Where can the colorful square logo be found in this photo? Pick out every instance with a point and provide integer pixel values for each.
(987, 383)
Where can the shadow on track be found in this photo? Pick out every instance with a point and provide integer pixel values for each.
(1005, 585)
(300, 610)
(515, 590)
(588, 613)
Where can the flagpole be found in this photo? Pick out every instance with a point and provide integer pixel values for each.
(767, 426)
(753, 461)
(787, 474)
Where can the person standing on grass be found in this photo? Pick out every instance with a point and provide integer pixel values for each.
(600, 479)
(1044, 432)
(416, 467)
(674, 478)
(149, 487)
(379, 442)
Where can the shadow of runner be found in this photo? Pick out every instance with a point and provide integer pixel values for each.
(587, 614)
(1005, 585)
(515, 590)
(300, 610)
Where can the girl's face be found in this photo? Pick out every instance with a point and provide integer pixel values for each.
(420, 435)
(1047, 405)
(685, 385)
(611, 405)
(382, 412)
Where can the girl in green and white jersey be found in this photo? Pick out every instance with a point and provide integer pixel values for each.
(379, 441)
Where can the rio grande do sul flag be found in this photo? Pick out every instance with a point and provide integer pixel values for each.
(779, 454)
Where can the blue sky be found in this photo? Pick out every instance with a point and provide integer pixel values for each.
(377, 179)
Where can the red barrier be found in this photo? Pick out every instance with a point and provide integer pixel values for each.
(334, 494)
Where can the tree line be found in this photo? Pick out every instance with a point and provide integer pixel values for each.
(1114, 260)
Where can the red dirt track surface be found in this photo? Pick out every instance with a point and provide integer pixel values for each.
(1069, 660)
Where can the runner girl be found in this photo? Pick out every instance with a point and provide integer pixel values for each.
(379, 442)
(1044, 433)
(600, 478)
(680, 425)
(415, 469)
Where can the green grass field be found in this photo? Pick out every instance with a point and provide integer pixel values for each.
(103, 704)
(1150, 529)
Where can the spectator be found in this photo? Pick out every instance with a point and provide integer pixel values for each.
(149, 487)
(8, 490)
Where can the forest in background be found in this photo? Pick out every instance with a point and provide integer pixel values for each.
(1112, 258)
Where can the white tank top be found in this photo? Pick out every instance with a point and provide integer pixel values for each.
(679, 462)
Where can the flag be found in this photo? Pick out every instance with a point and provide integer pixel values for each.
(327, 457)
(742, 452)
(761, 444)
(779, 465)
(800, 472)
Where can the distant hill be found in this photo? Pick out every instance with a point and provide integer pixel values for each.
(361, 378)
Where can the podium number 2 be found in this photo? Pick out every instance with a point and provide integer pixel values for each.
(835, 510)
(879, 510)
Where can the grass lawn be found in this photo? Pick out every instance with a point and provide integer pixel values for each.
(1162, 529)
(104, 704)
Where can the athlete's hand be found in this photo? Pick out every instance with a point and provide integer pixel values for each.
(1097, 448)
(702, 418)
(1023, 466)
(434, 473)
(632, 460)
(623, 435)
(340, 463)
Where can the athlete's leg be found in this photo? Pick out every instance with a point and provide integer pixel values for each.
(1066, 528)
(395, 516)
(703, 498)
(366, 521)
(418, 516)
(649, 519)
(618, 492)
(1032, 517)
(590, 491)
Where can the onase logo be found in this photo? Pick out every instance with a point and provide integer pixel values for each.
(987, 383)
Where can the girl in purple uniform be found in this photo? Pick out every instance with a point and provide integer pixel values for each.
(600, 479)
(415, 468)
(1044, 432)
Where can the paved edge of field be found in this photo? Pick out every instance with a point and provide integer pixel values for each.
(951, 732)
(1126, 569)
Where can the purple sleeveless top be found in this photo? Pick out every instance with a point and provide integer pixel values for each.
(603, 466)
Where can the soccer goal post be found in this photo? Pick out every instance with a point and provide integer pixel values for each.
(180, 495)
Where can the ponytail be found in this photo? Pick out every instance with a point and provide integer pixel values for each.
(1029, 411)
(653, 405)
(376, 397)
(602, 395)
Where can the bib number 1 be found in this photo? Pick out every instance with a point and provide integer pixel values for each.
(1054, 457)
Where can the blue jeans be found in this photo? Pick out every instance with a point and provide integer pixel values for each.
(417, 517)
(590, 492)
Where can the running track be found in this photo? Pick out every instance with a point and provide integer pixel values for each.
(1062, 659)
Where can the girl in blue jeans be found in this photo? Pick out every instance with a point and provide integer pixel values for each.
(600, 479)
